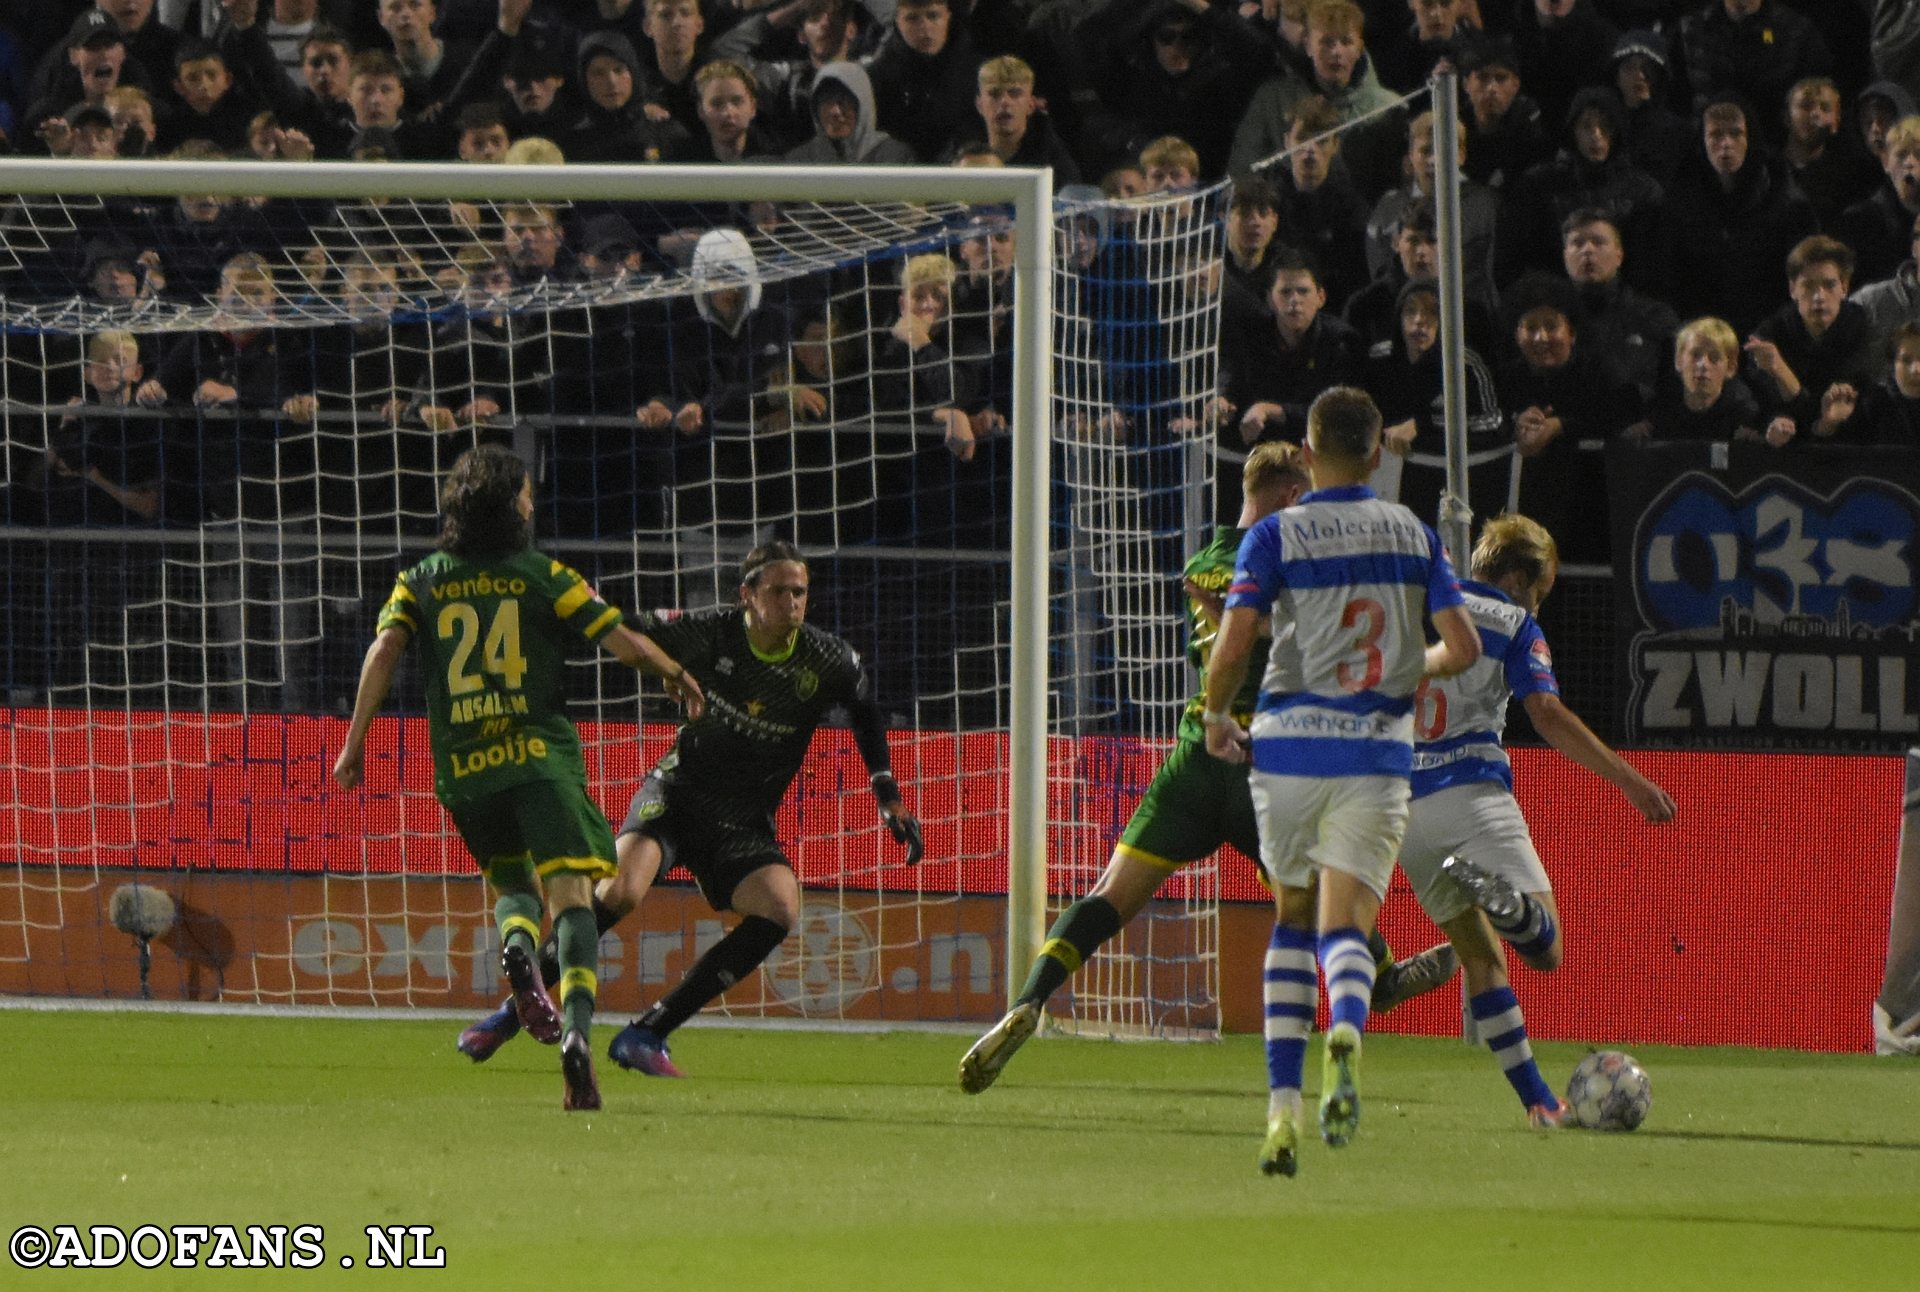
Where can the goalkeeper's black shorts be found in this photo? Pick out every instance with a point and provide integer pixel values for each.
(716, 842)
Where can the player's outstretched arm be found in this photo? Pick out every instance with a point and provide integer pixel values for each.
(1459, 646)
(376, 678)
(637, 650)
(1226, 669)
(1562, 728)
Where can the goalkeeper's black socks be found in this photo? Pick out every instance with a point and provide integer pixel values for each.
(1076, 935)
(725, 963)
(604, 918)
(579, 954)
(1382, 953)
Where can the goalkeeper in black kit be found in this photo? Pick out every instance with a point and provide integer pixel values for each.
(770, 679)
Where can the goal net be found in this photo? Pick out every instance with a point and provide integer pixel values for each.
(226, 414)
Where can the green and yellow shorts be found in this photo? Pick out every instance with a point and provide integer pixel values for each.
(1195, 804)
(551, 824)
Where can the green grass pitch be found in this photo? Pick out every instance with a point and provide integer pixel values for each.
(803, 1160)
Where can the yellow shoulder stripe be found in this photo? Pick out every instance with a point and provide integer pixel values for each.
(572, 599)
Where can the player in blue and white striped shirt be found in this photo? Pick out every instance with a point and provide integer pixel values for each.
(1467, 846)
(1348, 581)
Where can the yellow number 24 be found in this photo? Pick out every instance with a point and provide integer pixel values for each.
(500, 654)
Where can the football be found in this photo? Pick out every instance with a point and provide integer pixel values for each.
(1610, 1091)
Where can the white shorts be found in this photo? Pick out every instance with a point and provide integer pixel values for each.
(1351, 824)
(1479, 821)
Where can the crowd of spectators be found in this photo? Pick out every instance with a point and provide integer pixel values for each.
(1681, 219)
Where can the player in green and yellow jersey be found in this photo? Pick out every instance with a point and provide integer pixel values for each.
(495, 620)
(1195, 805)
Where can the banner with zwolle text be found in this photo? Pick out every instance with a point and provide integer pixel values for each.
(1766, 598)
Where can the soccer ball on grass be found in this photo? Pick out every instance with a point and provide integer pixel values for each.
(1610, 1091)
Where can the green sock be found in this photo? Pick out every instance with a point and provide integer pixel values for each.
(1382, 953)
(517, 916)
(1076, 935)
(579, 956)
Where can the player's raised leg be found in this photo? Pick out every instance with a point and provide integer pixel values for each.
(1529, 921)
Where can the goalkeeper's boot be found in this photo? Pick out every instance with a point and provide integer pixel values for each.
(1503, 903)
(530, 1000)
(1340, 1085)
(1552, 1116)
(1401, 981)
(576, 1066)
(1891, 1038)
(1280, 1151)
(490, 1033)
(991, 1052)
(638, 1050)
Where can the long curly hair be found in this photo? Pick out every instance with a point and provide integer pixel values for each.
(480, 516)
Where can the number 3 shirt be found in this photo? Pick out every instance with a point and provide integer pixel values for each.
(1349, 580)
(1458, 721)
(494, 639)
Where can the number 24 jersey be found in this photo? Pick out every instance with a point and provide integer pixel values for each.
(494, 639)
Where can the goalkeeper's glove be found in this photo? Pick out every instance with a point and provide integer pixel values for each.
(901, 824)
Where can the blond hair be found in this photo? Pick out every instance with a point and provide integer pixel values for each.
(127, 96)
(105, 346)
(1512, 544)
(1272, 462)
(932, 269)
(1710, 331)
(1169, 151)
(1005, 70)
(534, 150)
(1904, 133)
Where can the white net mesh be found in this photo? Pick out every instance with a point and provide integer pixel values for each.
(223, 439)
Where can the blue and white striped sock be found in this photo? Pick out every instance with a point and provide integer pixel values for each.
(1291, 991)
(1497, 1018)
(1533, 931)
(1348, 967)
